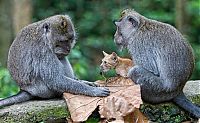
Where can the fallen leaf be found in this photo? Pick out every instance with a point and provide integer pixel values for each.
(138, 117)
(122, 106)
(115, 82)
(121, 103)
(80, 106)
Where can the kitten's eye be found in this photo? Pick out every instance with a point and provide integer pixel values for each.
(114, 58)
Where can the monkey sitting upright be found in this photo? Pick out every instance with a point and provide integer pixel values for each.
(163, 59)
(37, 62)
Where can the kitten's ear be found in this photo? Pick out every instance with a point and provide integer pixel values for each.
(114, 56)
(105, 54)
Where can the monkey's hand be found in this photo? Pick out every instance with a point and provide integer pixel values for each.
(144, 77)
(90, 83)
(101, 92)
(137, 73)
(97, 91)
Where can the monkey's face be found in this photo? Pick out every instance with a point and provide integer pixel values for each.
(60, 33)
(127, 25)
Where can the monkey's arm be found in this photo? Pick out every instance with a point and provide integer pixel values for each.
(148, 79)
(67, 68)
(66, 84)
(70, 73)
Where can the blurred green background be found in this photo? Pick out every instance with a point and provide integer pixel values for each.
(94, 27)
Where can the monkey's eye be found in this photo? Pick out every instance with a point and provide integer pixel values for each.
(130, 19)
(64, 24)
(133, 21)
(105, 62)
(120, 33)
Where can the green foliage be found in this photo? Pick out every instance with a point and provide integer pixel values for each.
(93, 22)
(7, 85)
(92, 120)
(95, 30)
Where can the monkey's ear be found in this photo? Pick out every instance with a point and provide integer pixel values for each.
(117, 23)
(134, 21)
(105, 54)
(46, 27)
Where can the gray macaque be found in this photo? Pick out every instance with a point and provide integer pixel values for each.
(163, 59)
(37, 62)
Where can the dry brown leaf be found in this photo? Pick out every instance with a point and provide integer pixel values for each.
(122, 104)
(138, 117)
(115, 81)
(134, 117)
(80, 106)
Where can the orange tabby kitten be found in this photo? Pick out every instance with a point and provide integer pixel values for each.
(112, 61)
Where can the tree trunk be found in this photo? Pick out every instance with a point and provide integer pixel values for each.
(14, 15)
(181, 15)
(5, 30)
(22, 14)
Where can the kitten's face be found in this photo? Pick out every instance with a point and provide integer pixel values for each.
(109, 61)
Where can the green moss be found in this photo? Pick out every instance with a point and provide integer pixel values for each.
(55, 113)
(37, 116)
(196, 99)
(166, 112)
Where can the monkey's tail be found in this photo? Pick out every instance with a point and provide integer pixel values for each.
(186, 104)
(22, 96)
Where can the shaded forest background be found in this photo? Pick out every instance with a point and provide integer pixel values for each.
(93, 22)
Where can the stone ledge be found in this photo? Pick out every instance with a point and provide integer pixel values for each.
(55, 110)
(34, 111)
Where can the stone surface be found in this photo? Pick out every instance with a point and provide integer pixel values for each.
(34, 111)
(192, 88)
(55, 110)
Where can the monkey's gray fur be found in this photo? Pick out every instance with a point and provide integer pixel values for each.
(37, 62)
(164, 59)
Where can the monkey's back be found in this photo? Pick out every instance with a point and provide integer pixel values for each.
(170, 54)
(20, 50)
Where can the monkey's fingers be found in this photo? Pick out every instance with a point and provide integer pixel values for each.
(101, 92)
(90, 83)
